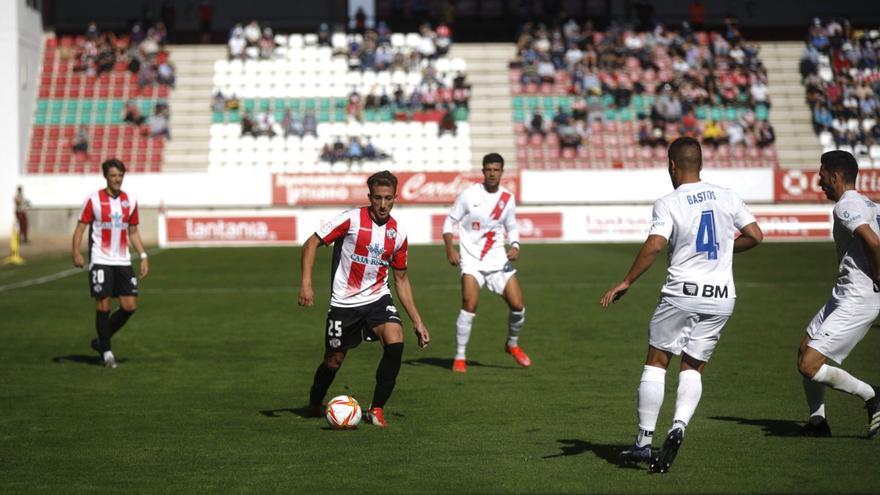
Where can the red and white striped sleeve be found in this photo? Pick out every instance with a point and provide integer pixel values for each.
(335, 228)
(87, 213)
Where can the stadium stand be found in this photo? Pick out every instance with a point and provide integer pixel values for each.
(839, 71)
(614, 99)
(399, 102)
(87, 85)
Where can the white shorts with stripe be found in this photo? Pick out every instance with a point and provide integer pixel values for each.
(676, 330)
(839, 326)
(495, 280)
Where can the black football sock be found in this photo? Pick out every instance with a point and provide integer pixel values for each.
(102, 325)
(323, 378)
(118, 319)
(386, 373)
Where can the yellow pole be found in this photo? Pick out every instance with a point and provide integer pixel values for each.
(14, 257)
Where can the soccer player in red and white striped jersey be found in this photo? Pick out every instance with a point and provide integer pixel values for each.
(484, 213)
(367, 243)
(112, 218)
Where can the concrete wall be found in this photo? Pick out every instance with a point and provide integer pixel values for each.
(20, 37)
(58, 223)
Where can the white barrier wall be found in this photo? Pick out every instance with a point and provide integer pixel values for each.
(423, 224)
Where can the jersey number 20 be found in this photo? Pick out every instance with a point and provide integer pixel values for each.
(706, 235)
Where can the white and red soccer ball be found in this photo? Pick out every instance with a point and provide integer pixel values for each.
(343, 413)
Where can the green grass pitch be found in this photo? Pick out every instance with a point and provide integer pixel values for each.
(215, 368)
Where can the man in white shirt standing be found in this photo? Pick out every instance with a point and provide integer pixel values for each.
(855, 300)
(699, 221)
(484, 212)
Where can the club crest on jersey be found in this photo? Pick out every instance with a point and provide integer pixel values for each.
(125, 203)
(475, 225)
(391, 233)
(501, 204)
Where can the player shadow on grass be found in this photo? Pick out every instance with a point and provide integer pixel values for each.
(302, 412)
(83, 359)
(773, 427)
(446, 363)
(609, 452)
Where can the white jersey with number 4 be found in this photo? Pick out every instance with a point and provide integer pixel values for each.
(483, 218)
(854, 280)
(700, 221)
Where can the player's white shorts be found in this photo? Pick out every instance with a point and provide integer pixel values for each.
(839, 326)
(495, 280)
(676, 330)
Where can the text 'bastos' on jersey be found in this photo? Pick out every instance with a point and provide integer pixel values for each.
(700, 221)
(362, 254)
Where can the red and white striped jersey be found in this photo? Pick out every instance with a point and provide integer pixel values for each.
(362, 253)
(108, 220)
(483, 218)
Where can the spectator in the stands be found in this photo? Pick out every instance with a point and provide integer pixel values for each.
(218, 102)
(447, 123)
(766, 136)
(713, 134)
(355, 150)
(159, 122)
(310, 123)
(536, 125)
(237, 43)
(80, 144)
(132, 113)
(248, 126)
(291, 125)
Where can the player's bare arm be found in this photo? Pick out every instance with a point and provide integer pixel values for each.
(78, 260)
(871, 244)
(138, 244)
(513, 252)
(647, 254)
(751, 237)
(451, 253)
(306, 294)
(404, 293)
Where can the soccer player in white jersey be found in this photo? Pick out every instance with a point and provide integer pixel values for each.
(855, 300)
(366, 242)
(699, 221)
(112, 217)
(484, 212)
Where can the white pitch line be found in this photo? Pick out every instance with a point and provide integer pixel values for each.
(51, 278)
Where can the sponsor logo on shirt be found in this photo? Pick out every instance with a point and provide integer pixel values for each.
(114, 223)
(690, 288)
(375, 257)
(709, 290)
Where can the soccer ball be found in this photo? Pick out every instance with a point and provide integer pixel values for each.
(343, 413)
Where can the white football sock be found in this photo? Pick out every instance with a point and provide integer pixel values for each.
(690, 388)
(463, 332)
(651, 389)
(108, 355)
(515, 322)
(815, 393)
(839, 379)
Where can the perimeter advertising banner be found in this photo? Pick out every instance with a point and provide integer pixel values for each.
(351, 189)
(545, 226)
(803, 185)
(227, 229)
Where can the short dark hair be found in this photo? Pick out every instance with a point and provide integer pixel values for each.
(383, 178)
(686, 153)
(112, 163)
(493, 158)
(843, 162)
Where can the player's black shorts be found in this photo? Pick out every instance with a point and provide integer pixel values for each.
(112, 281)
(347, 327)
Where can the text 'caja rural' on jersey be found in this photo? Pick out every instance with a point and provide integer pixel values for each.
(700, 221)
(109, 219)
(483, 218)
(362, 253)
(854, 269)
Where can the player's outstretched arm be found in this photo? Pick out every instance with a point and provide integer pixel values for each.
(135, 237)
(451, 254)
(78, 260)
(307, 262)
(751, 237)
(647, 254)
(404, 293)
(871, 244)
